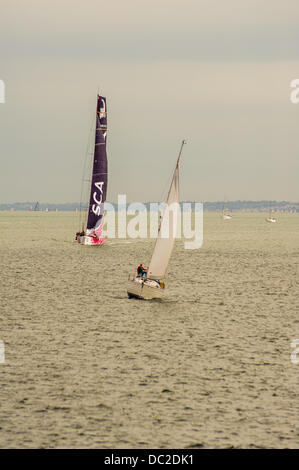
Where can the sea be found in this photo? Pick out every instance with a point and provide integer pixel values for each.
(215, 364)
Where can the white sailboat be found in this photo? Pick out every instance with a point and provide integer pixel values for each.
(225, 214)
(270, 218)
(150, 284)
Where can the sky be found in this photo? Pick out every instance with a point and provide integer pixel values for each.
(214, 73)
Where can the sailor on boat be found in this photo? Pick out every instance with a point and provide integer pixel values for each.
(80, 234)
(141, 271)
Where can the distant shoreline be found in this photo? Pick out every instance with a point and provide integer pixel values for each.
(232, 206)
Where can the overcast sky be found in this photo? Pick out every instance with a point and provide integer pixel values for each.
(216, 73)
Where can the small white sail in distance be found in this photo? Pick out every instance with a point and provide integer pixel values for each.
(168, 228)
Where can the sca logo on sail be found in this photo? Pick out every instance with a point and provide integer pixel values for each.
(96, 208)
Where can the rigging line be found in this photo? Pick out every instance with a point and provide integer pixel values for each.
(163, 195)
(171, 174)
(87, 153)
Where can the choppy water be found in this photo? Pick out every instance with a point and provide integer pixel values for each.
(209, 366)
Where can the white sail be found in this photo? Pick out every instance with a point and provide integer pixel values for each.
(168, 229)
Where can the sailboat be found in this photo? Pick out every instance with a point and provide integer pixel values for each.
(91, 232)
(225, 214)
(270, 218)
(150, 284)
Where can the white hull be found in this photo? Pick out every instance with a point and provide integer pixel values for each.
(227, 217)
(146, 289)
(271, 219)
(91, 241)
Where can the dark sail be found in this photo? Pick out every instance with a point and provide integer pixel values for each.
(99, 172)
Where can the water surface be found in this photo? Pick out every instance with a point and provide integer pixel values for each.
(209, 366)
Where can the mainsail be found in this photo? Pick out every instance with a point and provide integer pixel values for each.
(168, 228)
(99, 173)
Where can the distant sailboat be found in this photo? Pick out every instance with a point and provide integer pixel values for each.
(149, 284)
(91, 233)
(270, 218)
(225, 214)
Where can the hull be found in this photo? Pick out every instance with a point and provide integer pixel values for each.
(146, 289)
(227, 217)
(271, 219)
(91, 241)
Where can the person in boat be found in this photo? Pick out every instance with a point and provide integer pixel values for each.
(141, 271)
(80, 234)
